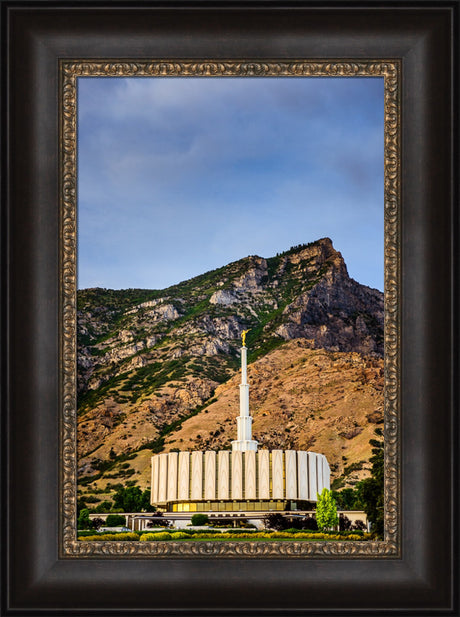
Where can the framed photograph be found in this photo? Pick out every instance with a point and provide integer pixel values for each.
(157, 367)
(203, 208)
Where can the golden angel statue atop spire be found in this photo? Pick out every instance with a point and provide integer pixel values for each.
(243, 336)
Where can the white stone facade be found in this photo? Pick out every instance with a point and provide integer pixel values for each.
(236, 475)
(244, 474)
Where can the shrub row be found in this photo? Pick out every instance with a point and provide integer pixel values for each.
(164, 535)
(260, 535)
(111, 536)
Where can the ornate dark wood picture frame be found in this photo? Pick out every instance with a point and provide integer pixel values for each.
(46, 48)
(390, 71)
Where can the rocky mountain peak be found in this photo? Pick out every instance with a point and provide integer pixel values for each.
(304, 292)
(319, 254)
(140, 352)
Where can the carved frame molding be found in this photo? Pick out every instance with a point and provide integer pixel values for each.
(69, 71)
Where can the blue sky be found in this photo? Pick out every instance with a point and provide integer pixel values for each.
(178, 176)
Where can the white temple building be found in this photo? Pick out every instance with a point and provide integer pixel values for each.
(245, 479)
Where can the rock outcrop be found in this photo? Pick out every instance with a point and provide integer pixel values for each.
(149, 360)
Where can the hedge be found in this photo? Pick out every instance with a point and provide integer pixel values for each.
(260, 535)
(161, 535)
(111, 536)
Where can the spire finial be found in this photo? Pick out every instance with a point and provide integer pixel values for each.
(245, 441)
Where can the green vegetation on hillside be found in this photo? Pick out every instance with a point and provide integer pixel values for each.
(140, 350)
(368, 494)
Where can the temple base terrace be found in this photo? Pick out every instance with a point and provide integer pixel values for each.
(179, 520)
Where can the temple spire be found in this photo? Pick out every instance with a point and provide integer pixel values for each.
(244, 421)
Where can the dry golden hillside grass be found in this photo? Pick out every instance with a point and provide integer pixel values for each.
(300, 398)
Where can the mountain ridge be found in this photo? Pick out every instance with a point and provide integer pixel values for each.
(160, 355)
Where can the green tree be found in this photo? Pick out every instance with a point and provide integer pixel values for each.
(346, 499)
(115, 520)
(326, 510)
(371, 490)
(132, 499)
(81, 504)
(103, 507)
(84, 521)
(145, 502)
(199, 519)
